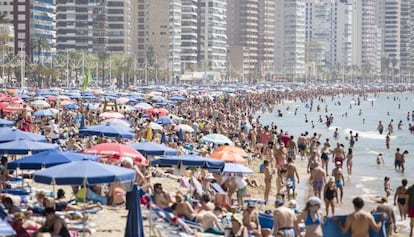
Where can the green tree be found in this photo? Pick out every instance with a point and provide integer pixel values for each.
(3, 18)
(38, 45)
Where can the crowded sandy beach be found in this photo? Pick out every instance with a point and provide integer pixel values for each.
(209, 160)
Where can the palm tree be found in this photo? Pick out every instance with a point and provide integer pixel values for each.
(39, 44)
(3, 18)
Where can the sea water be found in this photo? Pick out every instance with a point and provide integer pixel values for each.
(367, 177)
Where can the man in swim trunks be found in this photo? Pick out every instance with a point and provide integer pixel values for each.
(302, 145)
(410, 193)
(284, 220)
(291, 173)
(339, 153)
(401, 197)
(292, 148)
(339, 179)
(318, 179)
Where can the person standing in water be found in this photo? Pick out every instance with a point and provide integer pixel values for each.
(349, 158)
(380, 127)
(400, 197)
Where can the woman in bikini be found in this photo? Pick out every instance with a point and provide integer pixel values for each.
(312, 218)
(329, 195)
(400, 197)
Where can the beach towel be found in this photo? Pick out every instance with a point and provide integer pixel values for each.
(331, 228)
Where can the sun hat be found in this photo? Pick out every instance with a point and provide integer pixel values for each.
(331, 179)
(315, 201)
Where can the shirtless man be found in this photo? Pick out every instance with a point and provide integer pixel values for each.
(291, 173)
(339, 180)
(397, 159)
(280, 156)
(251, 219)
(268, 175)
(359, 222)
(302, 140)
(292, 148)
(161, 198)
(400, 196)
(384, 207)
(339, 154)
(318, 179)
(284, 220)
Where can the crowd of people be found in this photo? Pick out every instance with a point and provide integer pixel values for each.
(273, 147)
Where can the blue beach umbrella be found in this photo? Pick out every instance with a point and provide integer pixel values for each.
(134, 225)
(108, 130)
(48, 159)
(153, 149)
(72, 106)
(45, 113)
(8, 134)
(189, 160)
(178, 97)
(22, 146)
(6, 123)
(84, 172)
(164, 121)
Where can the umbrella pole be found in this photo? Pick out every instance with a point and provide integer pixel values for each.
(150, 213)
(84, 206)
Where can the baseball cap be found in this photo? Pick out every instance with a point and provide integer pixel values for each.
(279, 202)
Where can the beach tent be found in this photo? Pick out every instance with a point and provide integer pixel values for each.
(85, 172)
(8, 134)
(22, 146)
(108, 130)
(153, 149)
(134, 225)
(188, 160)
(48, 159)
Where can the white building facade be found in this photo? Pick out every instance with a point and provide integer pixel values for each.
(189, 34)
(212, 41)
(289, 51)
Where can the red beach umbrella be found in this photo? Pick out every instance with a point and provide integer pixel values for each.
(117, 151)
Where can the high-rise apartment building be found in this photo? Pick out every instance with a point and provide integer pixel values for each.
(342, 35)
(388, 19)
(289, 53)
(18, 13)
(164, 35)
(43, 30)
(212, 39)
(119, 22)
(243, 30)
(366, 37)
(319, 34)
(406, 41)
(81, 25)
(189, 34)
(266, 36)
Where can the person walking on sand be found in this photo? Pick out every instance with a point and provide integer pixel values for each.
(359, 222)
(317, 177)
(338, 174)
(329, 195)
(291, 173)
(410, 204)
(268, 175)
(338, 153)
(400, 196)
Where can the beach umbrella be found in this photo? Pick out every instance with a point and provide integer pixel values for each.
(164, 121)
(109, 115)
(235, 149)
(40, 103)
(38, 98)
(71, 106)
(178, 97)
(122, 100)
(120, 122)
(108, 130)
(188, 160)
(234, 168)
(46, 113)
(153, 149)
(6, 123)
(46, 159)
(6, 229)
(216, 139)
(184, 128)
(158, 111)
(11, 134)
(63, 97)
(84, 172)
(228, 156)
(155, 126)
(116, 151)
(22, 146)
(143, 106)
(134, 224)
